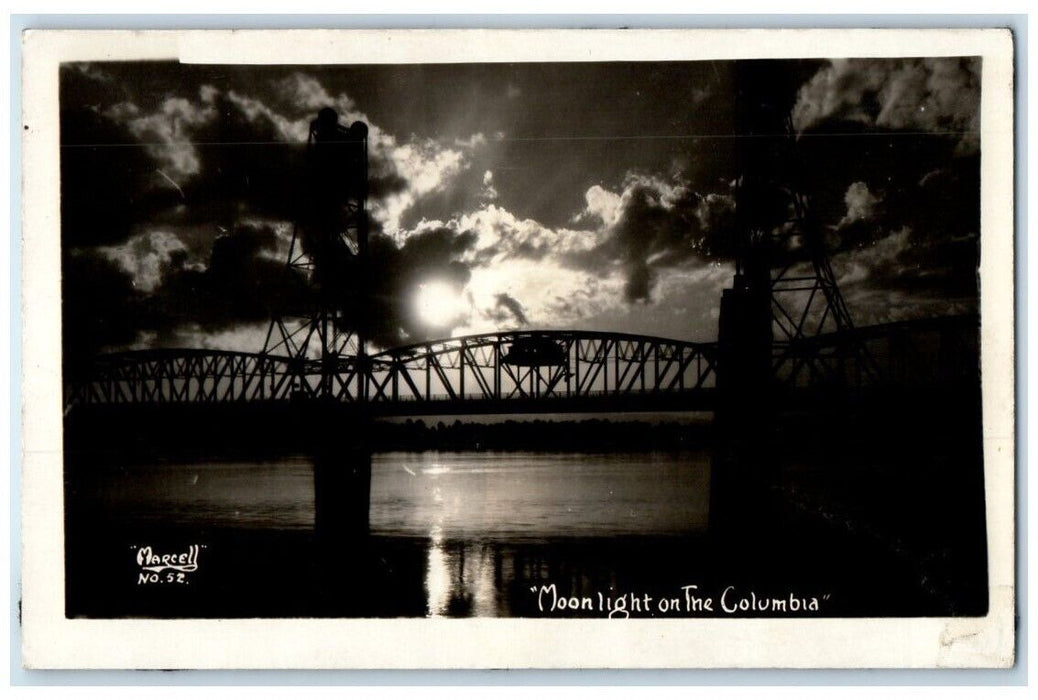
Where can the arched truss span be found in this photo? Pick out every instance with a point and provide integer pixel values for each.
(540, 365)
(526, 365)
(528, 371)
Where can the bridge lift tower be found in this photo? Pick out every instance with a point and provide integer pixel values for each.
(784, 293)
(326, 340)
(328, 255)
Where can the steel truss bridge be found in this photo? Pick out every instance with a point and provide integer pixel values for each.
(529, 371)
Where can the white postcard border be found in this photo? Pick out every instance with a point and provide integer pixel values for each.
(52, 641)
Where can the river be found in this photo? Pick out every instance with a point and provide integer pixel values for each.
(469, 495)
(478, 533)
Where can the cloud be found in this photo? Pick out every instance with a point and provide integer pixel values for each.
(289, 129)
(245, 337)
(244, 160)
(501, 235)
(550, 294)
(168, 132)
(214, 156)
(860, 203)
(186, 225)
(656, 223)
(601, 204)
(489, 192)
(651, 226)
(401, 172)
(512, 305)
(426, 167)
(898, 278)
(105, 192)
(233, 161)
(920, 234)
(928, 94)
(310, 95)
(147, 257)
(646, 236)
(239, 282)
(899, 255)
(93, 72)
(398, 271)
(100, 307)
(518, 270)
(476, 140)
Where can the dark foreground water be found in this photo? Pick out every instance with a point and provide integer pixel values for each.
(524, 534)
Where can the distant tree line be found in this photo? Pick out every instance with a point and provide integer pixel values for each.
(595, 435)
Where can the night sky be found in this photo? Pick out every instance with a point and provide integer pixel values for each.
(589, 196)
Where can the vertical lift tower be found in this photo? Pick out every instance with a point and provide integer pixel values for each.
(326, 338)
(329, 257)
(784, 293)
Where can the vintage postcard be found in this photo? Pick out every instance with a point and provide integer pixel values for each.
(467, 349)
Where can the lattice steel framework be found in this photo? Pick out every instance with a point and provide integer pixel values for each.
(483, 369)
(494, 367)
(541, 365)
(785, 285)
(806, 301)
(328, 256)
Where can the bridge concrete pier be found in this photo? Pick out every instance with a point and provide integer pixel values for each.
(342, 477)
(741, 471)
(741, 465)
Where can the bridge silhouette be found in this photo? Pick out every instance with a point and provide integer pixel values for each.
(549, 371)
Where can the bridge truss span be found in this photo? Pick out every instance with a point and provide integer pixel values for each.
(184, 376)
(540, 365)
(531, 370)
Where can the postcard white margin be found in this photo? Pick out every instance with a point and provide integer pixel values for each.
(52, 641)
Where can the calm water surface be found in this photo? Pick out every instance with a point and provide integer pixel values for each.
(471, 496)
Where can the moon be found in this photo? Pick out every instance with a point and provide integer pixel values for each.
(438, 304)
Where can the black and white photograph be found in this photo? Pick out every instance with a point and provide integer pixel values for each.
(556, 339)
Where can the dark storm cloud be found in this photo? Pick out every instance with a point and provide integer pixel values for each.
(242, 281)
(193, 159)
(920, 238)
(215, 150)
(656, 224)
(100, 307)
(901, 205)
(246, 167)
(107, 180)
(862, 190)
(888, 156)
(905, 129)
